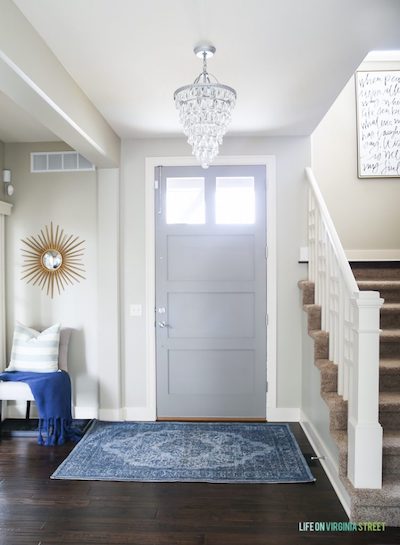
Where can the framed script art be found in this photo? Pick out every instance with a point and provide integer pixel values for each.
(378, 123)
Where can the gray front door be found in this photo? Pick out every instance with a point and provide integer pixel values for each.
(211, 292)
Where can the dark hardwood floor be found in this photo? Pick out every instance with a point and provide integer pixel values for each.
(36, 510)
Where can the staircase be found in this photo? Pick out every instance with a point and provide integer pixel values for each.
(367, 504)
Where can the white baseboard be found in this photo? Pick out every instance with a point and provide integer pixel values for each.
(283, 414)
(111, 415)
(85, 413)
(328, 463)
(139, 414)
(18, 411)
(373, 255)
(127, 413)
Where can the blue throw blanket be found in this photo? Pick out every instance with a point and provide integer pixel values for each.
(52, 393)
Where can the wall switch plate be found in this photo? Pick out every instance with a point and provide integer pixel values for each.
(135, 310)
(303, 254)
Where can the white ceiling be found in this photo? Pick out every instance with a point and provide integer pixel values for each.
(287, 59)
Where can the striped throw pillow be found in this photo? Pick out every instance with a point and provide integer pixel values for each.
(35, 351)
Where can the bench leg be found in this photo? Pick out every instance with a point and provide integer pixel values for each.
(28, 410)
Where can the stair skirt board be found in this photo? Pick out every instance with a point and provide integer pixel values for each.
(329, 465)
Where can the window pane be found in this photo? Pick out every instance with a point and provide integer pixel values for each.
(235, 200)
(185, 200)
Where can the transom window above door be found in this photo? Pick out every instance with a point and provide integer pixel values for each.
(185, 201)
(232, 198)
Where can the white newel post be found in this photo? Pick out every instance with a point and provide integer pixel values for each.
(364, 430)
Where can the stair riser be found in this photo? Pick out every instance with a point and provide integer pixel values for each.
(390, 515)
(321, 349)
(390, 295)
(389, 349)
(307, 291)
(389, 420)
(376, 273)
(389, 383)
(314, 318)
(338, 420)
(391, 464)
(328, 382)
(390, 319)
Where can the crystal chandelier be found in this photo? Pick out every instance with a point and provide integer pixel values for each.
(205, 110)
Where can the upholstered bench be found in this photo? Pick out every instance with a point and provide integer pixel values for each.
(20, 391)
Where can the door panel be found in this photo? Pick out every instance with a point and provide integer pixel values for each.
(211, 372)
(211, 315)
(211, 292)
(210, 257)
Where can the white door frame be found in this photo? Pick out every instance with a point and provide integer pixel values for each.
(151, 162)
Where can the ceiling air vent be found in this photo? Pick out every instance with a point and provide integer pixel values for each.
(59, 161)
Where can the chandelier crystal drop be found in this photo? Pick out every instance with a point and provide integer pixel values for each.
(205, 110)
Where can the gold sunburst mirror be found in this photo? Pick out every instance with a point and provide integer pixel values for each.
(52, 259)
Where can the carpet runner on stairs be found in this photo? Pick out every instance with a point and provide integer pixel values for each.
(384, 504)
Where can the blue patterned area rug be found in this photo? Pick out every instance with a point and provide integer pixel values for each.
(186, 452)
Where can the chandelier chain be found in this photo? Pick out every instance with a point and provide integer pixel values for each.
(204, 63)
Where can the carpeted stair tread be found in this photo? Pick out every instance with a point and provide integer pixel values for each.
(389, 401)
(389, 375)
(390, 316)
(389, 335)
(337, 410)
(375, 285)
(340, 437)
(375, 504)
(389, 270)
(335, 401)
(388, 495)
(390, 366)
(327, 365)
(314, 316)
(329, 375)
(391, 441)
(390, 307)
(389, 290)
(307, 290)
(318, 334)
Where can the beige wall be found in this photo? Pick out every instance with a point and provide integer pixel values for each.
(292, 155)
(72, 200)
(365, 211)
(2, 165)
(69, 200)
